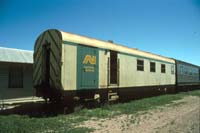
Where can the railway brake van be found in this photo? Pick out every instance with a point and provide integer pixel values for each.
(69, 66)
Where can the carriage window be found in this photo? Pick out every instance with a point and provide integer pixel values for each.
(199, 74)
(152, 67)
(140, 65)
(163, 68)
(15, 77)
(172, 69)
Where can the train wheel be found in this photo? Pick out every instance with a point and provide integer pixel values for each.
(68, 105)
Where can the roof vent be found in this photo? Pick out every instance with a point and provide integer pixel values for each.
(110, 41)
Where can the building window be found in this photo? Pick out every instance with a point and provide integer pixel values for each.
(163, 68)
(140, 65)
(152, 67)
(15, 77)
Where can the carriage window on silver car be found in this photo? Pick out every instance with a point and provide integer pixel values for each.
(152, 67)
(163, 68)
(199, 74)
(172, 69)
(140, 65)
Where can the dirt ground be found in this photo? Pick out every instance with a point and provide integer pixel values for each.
(182, 116)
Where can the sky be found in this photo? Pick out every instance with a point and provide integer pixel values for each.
(166, 27)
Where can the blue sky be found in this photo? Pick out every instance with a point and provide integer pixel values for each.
(167, 27)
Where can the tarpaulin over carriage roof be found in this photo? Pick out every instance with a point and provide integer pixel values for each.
(16, 55)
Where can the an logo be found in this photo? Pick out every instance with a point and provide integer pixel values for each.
(89, 59)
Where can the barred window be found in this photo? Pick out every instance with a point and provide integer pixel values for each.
(15, 77)
(163, 68)
(152, 67)
(140, 65)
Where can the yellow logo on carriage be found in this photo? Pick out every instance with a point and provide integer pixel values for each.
(89, 59)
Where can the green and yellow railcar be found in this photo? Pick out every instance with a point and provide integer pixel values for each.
(69, 66)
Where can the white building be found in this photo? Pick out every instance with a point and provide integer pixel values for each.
(15, 75)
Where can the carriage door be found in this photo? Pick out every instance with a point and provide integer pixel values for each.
(114, 68)
(87, 75)
(46, 63)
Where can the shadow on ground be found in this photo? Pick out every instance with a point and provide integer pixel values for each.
(34, 110)
(42, 109)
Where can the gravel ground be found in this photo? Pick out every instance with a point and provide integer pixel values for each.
(182, 116)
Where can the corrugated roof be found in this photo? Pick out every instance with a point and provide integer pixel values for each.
(16, 55)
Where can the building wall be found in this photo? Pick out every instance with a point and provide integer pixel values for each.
(5, 91)
(4, 75)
